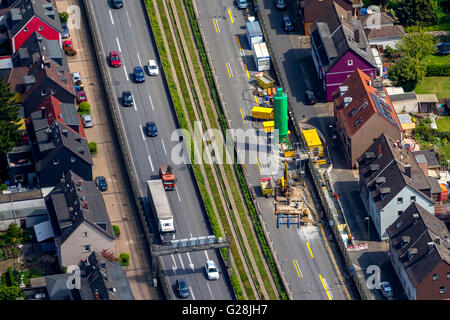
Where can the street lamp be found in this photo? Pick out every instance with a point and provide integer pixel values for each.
(368, 229)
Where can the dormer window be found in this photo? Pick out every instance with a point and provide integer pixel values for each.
(56, 162)
(413, 198)
(399, 200)
(435, 276)
(25, 29)
(45, 92)
(350, 62)
(40, 28)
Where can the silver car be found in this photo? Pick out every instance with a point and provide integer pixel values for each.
(86, 119)
(65, 34)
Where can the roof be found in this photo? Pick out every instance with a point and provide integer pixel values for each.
(430, 158)
(74, 201)
(57, 287)
(391, 163)
(404, 118)
(395, 31)
(253, 28)
(311, 137)
(365, 102)
(427, 98)
(403, 96)
(313, 9)
(376, 19)
(417, 229)
(336, 32)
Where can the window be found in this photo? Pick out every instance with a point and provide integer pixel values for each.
(413, 198)
(442, 290)
(56, 162)
(40, 28)
(25, 29)
(448, 275)
(399, 200)
(45, 92)
(435, 276)
(73, 159)
(400, 212)
(350, 62)
(87, 248)
(85, 234)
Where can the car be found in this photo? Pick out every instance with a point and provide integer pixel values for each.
(152, 68)
(211, 270)
(65, 33)
(127, 98)
(242, 4)
(81, 96)
(310, 97)
(67, 44)
(76, 77)
(386, 289)
(139, 75)
(100, 181)
(114, 59)
(117, 4)
(150, 129)
(287, 24)
(86, 120)
(182, 288)
(281, 4)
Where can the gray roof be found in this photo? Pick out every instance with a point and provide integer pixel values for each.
(69, 114)
(427, 234)
(430, 157)
(57, 287)
(404, 118)
(403, 96)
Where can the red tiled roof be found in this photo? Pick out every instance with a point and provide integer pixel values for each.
(362, 107)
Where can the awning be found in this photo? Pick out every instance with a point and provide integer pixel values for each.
(43, 231)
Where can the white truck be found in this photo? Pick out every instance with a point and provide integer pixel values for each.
(254, 33)
(261, 56)
(160, 206)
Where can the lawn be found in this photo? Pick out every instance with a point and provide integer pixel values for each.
(443, 124)
(438, 85)
(434, 59)
(446, 150)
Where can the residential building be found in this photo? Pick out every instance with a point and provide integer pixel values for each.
(339, 46)
(419, 244)
(361, 114)
(380, 29)
(21, 168)
(427, 161)
(79, 219)
(390, 180)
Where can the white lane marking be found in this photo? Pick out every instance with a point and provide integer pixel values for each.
(164, 147)
(126, 73)
(118, 44)
(135, 107)
(151, 102)
(181, 261)
(191, 265)
(150, 160)
(192, 293)
(298, 267)
(139, 59)
(174, 266)
(110, 15)
(179, 199)
(212, 297)
(128, 18)
(142, 132)
(190, 234)
(328, 287)
(206, 253)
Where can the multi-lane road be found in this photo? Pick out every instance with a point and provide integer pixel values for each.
(127, 31)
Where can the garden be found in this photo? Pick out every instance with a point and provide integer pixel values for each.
(439, 139)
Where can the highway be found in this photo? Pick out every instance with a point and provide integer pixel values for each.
(127, 31)
(303, 253)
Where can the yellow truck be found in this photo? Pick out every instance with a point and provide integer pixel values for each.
(262, 113)
(266, 186)
(313, 141)
(268, 126)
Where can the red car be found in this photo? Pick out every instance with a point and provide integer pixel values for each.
(81, 96)
(67, 44)
(114, 59)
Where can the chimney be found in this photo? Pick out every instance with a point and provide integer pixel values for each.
(86, 205)
(408, 170)
(437, 240)
(79, 183)
(399, 144)
(379, 149)
(43, 112)
(97, 296)
(356, 35)
(430, 245)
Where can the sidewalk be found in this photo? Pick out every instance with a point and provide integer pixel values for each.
(108, 163)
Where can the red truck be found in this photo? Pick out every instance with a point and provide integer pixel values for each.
(167, 177)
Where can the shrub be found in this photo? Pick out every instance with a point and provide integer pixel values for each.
(63, 16)
(93, 147)
(124, 259)
(84, 108)
(70, 51)
(63, 269)
(437, 70)
(10, 293)
(10, 280)
(116, 230)
(3, 186)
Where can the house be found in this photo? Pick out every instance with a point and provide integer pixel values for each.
(361, 114)
(427, 161)
(339, 46)
(57, 148)
(79, 219)
(390, 180)
(21, 169)
(28, 16)
(311, 10)
(380, 29)
(419, 244)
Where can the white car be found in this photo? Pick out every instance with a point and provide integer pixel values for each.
(76, 76)
(152, 68)
(386, 289)
(211, 270)
(86, 119)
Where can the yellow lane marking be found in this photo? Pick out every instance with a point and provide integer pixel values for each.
(309, 248)
(334, 263)
(256, 99)
(246, 70)
(231, 18)
(228, 69)
(257, 161)
(295, 265)
(242, 114)
(325, 287)
(239, 44)
(215, 25)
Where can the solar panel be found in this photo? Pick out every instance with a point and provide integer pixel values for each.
(383, 109)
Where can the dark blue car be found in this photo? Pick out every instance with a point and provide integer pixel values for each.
(150, 128)
(101, 183)
(139, 75)
(182, 288)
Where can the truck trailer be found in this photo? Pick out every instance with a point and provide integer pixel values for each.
(254, 33)
(261, 57)
(160, 207)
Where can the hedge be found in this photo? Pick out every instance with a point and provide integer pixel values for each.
(11, 281)
(437, 70)
(116, 230)
(124, 259)
(93, 147)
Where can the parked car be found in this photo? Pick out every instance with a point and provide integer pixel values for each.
(81, 96)
(127, 98)
(242, 4)
(287, 24)
(386, 289)
(150, 129)
(281, 4)
(139, 75)
(86, 120)
(100, 181)
(65, 34)
(152, 68)
(114, 59)
(182, 288)
(67, 44)
(117, 4)
(211, 270)
(310, 97)
(76, 77)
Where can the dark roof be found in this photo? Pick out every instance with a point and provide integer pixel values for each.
(403, 96)
(427, 234)
(336, 32)
(391, 164)
(430, 157)
(69, 114)
(104, 280)
(57, 287)
(313, 9)
(384, 32)
(67, 203)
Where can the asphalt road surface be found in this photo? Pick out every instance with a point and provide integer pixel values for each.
(127, 31)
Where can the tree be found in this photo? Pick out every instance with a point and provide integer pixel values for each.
(14, 232)
(417, 44)
(416, 12)
(9, 117)
(124, 259)
(92, 147)
(9, 293)
(63, 16)
(84, 108)
(406, 72)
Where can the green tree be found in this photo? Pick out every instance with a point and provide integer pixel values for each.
(84, 108)
(9, 116)
(124, 259)
(92, 147)
(417, 44)
(406, 72)
(63, 16)
(416, 12)
(9, 293)
(14, 232)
